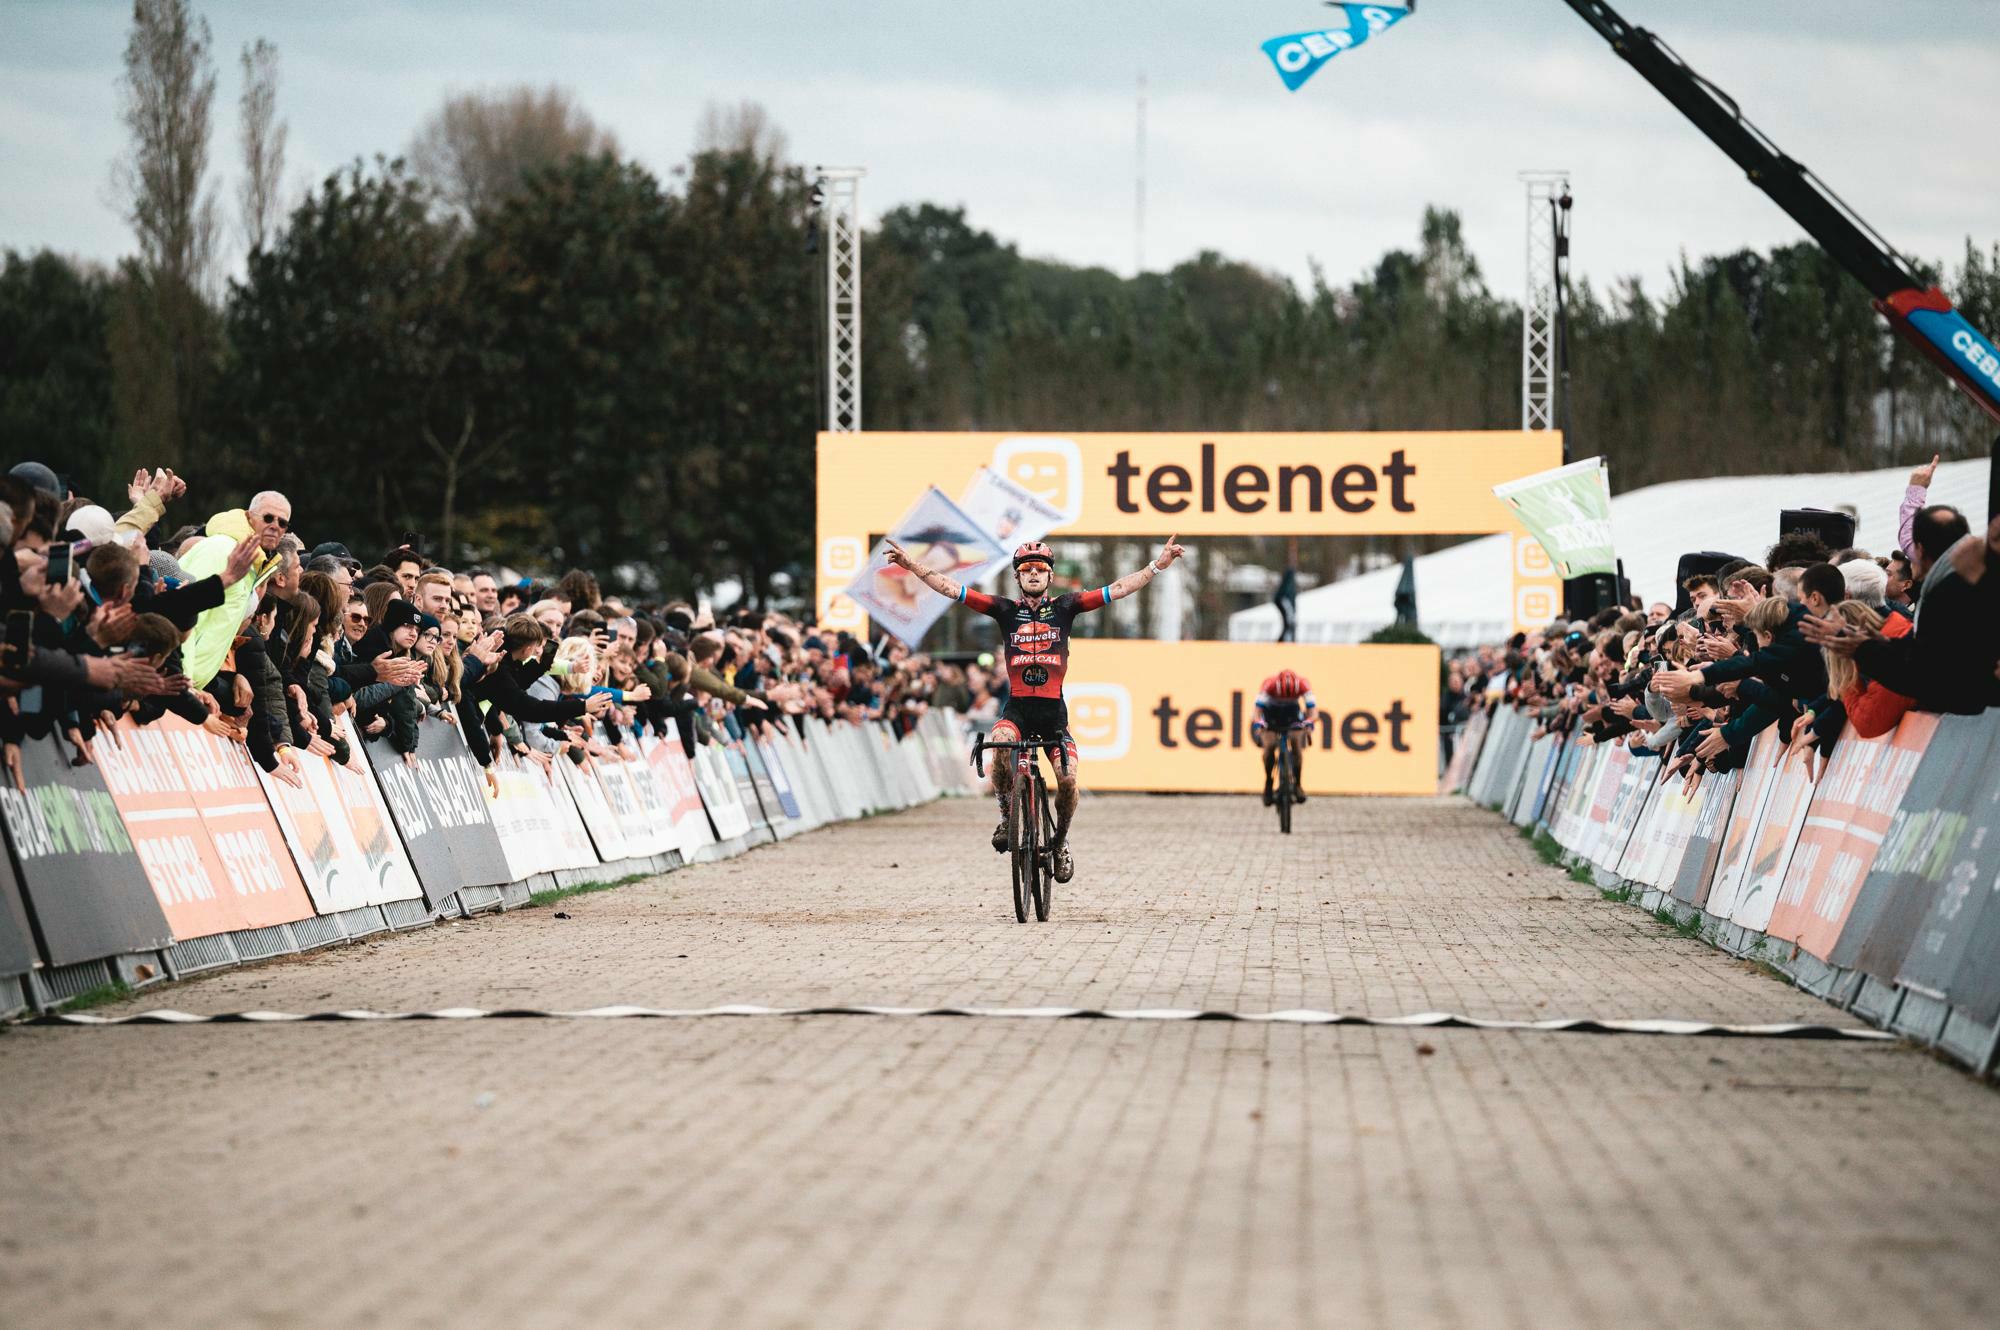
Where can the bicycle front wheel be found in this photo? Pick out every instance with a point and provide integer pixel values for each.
(1025, 814)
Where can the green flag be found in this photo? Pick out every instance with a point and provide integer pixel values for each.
(1569, 511)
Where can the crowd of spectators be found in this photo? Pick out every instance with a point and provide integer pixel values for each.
(240, 625)
(1810, 641)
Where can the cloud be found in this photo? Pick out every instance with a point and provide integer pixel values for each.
(1025, 114)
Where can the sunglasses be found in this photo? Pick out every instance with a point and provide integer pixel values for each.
(272, 519)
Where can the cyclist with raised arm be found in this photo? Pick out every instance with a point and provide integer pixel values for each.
(1285, 702)
(1035, 642)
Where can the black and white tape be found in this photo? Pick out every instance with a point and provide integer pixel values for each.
(1420, 1020)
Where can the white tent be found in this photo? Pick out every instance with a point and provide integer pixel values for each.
(1463, 592)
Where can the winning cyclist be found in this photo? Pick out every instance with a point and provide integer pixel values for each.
(1285, 702)
(1037, 653)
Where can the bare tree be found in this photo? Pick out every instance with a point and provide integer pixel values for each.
(168, 88)
(263, 145)
(163, 328)
(474, 149)
(744, 127)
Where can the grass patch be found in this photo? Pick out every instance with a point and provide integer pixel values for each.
(554, 894)
(1621, 894)
(1689, 927)
(1546, 847)
(101, 996)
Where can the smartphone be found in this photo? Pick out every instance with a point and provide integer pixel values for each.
(62, 564)
(18, 648)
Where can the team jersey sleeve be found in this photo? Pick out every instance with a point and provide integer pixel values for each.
(1083, 602)
(993, 607)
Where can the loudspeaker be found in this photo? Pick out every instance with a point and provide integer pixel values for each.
(1835, 528)
(1586, 595)
(1692, 565)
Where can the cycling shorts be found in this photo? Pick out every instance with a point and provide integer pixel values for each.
(1043, 718)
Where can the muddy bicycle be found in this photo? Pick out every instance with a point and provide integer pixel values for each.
(1031, 822)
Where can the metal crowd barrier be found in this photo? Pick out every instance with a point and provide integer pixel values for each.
(173, 853)
(1874, 883)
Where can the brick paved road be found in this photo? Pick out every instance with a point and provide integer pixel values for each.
(857, 1172)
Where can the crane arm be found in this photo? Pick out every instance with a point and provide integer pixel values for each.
(1922, 316)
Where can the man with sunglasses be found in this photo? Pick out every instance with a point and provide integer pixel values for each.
(268, 519)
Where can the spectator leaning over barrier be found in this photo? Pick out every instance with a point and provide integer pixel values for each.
(267, 518)
(504, 688)
(1947, 663)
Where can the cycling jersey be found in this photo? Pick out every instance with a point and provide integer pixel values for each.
(1036, 635)
(1284, 713)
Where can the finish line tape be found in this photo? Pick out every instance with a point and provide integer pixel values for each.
(1421, 1020)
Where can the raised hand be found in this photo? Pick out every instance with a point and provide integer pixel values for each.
(1169, 552)
(1923, 475)
(240, 560)
(896, 557)
(488, 648)
(1712, 745)
(1835, 634)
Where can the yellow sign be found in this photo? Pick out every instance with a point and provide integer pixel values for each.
(1153, 485)
(1538, 590)
(1177, 715)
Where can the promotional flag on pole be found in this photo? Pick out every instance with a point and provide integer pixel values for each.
(1009, 512)
(1298, 56)
(1569, 511)
(935, 532)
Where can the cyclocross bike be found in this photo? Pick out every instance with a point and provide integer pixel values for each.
(1031, 823)
(1287, 794)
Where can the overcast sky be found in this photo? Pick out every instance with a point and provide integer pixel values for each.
(1024, 113)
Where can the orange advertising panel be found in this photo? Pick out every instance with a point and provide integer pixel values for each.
(1155, 485)
(1178, 715)
(1850, 814)
(202, 828)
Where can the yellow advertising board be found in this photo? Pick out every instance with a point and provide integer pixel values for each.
(1154, 485)
(1177, 715)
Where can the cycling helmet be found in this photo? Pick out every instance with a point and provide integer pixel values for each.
(1034, 552)
(1288, 686)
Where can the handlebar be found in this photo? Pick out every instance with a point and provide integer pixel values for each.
(982, 743)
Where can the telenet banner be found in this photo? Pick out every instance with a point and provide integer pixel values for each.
(1177, 715)
(1153, 485)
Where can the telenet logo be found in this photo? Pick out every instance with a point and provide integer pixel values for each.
(1049, 468)
(1530, 559)
(1535, 604)
(1100, 720)
(839, 611)
(841, 556)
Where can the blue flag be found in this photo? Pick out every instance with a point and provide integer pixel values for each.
(1299, 56)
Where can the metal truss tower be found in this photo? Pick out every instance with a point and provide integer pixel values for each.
(840, 203)
(1547, 191)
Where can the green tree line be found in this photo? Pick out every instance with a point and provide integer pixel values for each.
(562, 358)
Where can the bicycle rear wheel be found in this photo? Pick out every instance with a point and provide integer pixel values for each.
(1045, 876)
(1024, 826)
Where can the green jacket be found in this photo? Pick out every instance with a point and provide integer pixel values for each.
(202, 654)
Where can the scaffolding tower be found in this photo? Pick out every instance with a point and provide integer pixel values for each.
(839, 188)
(1539, 310)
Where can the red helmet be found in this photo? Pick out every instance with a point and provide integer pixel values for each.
(1287, 686)
(1034, 552)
